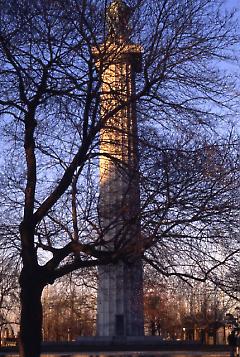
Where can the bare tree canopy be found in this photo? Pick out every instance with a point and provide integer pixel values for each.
(50, 125)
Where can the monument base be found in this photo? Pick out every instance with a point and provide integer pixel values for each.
(95, 345)
(131, 343)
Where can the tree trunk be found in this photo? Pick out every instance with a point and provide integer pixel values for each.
(31, 314)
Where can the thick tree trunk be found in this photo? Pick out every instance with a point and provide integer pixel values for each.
(31, 314)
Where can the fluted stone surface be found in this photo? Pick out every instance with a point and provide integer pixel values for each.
(120, 286)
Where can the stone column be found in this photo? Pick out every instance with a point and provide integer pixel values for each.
(120, 286)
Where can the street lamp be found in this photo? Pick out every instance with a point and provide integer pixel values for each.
(184, 333)
(237, 310)
(69, 334)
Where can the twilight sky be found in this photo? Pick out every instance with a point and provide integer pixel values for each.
(235, 3)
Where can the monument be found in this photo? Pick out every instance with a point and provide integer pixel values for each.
(120, 286)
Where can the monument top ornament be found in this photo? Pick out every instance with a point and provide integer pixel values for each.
(118, 47)
(118, 16)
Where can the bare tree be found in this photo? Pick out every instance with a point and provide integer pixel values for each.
(69, 311)
(176, 309)
(49, 104)
(194, 208)
(9, 297)
(163, 307)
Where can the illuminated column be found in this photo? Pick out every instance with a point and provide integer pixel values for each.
(120, 288)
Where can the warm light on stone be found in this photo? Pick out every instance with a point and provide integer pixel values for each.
(120, 290)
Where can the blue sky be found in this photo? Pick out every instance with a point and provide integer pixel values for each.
(235, 3)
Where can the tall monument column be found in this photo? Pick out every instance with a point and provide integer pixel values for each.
(120, 285)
